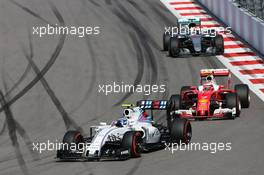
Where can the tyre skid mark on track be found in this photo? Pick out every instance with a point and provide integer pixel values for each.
(145, 40)
(31, 12)
(19, 128)
(88, 93)
(11, 125)
(46, 68)
(32, 84)
(20, 80)
(146, 43)
(69, 123)
(27, 70)
(140, 66)
(108, 2)
(149, 55)
(137, 42)
(94, 3)
(3, 128)
(135, 167)
(137, 7)
(161, 14)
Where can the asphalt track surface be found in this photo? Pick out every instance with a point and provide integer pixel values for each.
(52, 85)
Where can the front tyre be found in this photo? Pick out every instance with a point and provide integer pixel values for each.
(181, 131)
(73, 137)
(174, 47)
(232, 101)
(132, 141)
(242, 91)
(219, 45)
(166, 41)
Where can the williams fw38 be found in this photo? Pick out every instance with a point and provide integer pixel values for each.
(135, 132)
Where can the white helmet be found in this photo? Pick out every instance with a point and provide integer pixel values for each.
(132, 114)
(210, 79)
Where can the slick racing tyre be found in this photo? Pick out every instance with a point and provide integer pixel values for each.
(232, 101)
(166, 41)
(73, 137)
(132, 141)
(174, 47)
(242, 91)
(181, 131)
(219, 45)
(174, 104)
(185, 88)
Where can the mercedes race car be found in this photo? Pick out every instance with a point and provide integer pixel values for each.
(133, 133)
(209, 100)
(192, 37)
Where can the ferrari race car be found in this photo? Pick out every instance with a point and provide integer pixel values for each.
(192, 37)
(133, 133)
(209, 100)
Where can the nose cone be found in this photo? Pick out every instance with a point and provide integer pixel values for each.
(202, 112)
(197, 43)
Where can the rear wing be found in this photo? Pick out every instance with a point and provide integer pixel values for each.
(187, 21)
(214, 72)
(153, 104)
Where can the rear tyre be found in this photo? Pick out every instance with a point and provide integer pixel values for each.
(219, 45)
(242, 91)
(174, 47)
(174, 104)
(181, 131)
(166, 41)
(132, 141)
(232, 101)
(185, 88)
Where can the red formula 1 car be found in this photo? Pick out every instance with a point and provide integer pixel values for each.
(209, 100)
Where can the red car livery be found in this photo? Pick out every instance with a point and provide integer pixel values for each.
(209, 100)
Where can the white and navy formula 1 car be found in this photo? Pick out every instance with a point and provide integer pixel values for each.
(133, 133)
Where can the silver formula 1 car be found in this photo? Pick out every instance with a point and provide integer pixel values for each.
(193, 38)
(135, 132)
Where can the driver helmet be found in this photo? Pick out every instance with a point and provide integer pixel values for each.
(192, 25)
(130, 114)
(210, 79)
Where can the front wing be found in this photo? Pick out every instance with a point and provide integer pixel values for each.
(219, 114)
